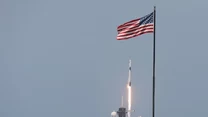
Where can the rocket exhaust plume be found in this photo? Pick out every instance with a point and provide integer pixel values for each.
(129, 90)
(129, 100)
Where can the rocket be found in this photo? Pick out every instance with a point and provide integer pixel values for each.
(129, 78)
(129, 90)
(122, 111)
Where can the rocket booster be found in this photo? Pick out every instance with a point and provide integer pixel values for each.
(129, 90)
(129, 78)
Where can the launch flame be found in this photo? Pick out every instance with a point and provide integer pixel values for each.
(129, 100)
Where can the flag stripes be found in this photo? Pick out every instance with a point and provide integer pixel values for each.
(136, 27)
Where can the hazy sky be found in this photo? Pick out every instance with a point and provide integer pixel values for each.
(60, 58)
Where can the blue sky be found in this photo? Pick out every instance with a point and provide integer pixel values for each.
(61, 58)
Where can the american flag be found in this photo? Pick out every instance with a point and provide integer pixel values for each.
(136, 27)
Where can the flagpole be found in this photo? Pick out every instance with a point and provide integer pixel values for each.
(153, 91)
